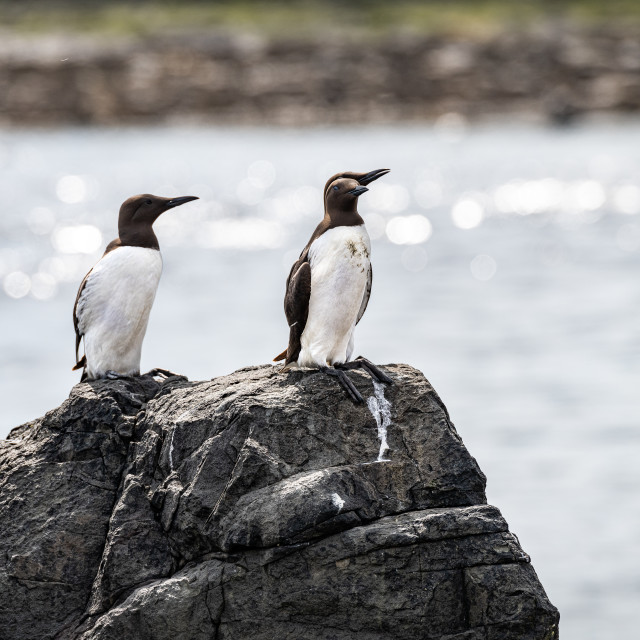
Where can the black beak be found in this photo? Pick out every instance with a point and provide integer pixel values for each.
(373, 175)
(358, 191)
(176, 202)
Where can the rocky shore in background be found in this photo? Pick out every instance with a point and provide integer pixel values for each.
(556, 72)
(257, 505)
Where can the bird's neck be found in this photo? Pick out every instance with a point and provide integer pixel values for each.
(343, 217)
(138, 236)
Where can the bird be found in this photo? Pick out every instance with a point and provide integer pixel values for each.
(114, 299)
(329, 286)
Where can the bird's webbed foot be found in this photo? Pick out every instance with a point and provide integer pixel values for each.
(163, 373)
(362, 363)
(346, 383)
(112, 375)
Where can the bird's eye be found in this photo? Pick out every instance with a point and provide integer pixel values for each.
(147, 201)
(335, 188)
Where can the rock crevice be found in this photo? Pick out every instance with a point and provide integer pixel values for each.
(256, 505)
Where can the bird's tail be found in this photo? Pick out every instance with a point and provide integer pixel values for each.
(80, 364)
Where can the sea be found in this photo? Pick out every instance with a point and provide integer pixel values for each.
(506, 261)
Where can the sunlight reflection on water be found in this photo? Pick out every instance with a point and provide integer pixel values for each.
(225, 224)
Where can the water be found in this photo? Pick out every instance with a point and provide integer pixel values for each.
(520, 298)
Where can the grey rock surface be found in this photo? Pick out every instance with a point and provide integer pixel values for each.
(256, 505)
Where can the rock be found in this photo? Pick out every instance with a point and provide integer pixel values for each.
(561, 70)
(256, 505)
(59, 479)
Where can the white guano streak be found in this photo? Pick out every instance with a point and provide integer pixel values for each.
(173, 431)
(182, 416)
(380, 409)
(337, 501)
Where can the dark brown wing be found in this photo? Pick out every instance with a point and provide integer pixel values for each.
(80, 362)
(296, 298)
(367, 294)
(296, 305)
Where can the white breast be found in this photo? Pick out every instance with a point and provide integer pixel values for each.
(339, 261)
(113, 309)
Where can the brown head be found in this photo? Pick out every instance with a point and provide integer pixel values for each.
(137, 215)
(362, 179)
(341, 195)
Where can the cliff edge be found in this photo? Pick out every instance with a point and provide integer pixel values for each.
(257, 505)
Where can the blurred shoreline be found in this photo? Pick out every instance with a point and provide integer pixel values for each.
(554, 73)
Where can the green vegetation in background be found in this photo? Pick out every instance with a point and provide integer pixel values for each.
(296, 18)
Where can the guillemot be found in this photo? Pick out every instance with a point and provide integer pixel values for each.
(328, 287)
(112, 307)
